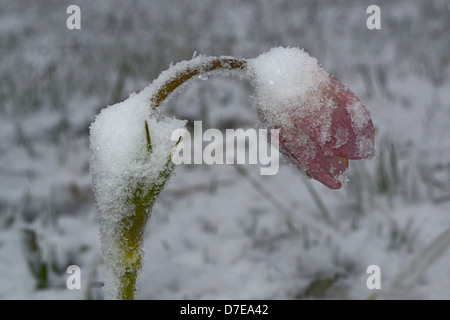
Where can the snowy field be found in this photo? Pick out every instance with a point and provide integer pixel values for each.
(225, 231)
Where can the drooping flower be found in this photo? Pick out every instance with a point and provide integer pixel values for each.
(322, 123)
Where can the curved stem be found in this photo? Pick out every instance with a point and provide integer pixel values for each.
(122, 237)
(191, 69)
(132, 227)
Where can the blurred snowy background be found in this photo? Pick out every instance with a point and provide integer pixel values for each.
(225, 232)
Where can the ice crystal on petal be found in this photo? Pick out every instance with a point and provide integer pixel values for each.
(322, 122)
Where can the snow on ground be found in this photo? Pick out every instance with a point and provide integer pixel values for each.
(225, 232)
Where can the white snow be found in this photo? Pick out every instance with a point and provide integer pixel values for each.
(284, 76)
(213, 234)
(341, 137)
(284, 79)
(119, 157)
(120, 163)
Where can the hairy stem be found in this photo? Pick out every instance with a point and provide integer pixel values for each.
(192, 70)
(132, 228)
(132, 231)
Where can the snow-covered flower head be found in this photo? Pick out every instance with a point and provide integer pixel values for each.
(322, 123)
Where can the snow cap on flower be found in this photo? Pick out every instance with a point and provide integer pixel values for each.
(322, 123)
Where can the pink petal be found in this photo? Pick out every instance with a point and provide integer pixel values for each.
(350, 133)
(330, 127)
(312, 161)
